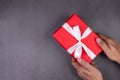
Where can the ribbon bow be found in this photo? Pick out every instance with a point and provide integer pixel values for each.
(77, 48)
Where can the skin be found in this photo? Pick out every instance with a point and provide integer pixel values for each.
(88, 71)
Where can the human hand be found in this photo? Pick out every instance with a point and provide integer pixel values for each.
(86, 71)
(110, 47)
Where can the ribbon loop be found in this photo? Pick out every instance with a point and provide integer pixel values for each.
(77, 48)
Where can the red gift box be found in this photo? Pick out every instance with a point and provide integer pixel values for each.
(78, 39)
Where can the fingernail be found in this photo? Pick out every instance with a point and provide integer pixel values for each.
(79, 60)
(98, 40)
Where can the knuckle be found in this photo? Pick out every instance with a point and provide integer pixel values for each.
(84, 63)
(110, 40)
(80, 71)
(72, 63)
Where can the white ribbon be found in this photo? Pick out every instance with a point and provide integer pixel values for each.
(77, 48)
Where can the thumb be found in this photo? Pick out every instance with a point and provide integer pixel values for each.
(103, 45)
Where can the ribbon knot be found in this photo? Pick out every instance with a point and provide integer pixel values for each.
(77, 48)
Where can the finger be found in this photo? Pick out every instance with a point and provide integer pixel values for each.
(83, 73)
(110, 42)
(104, 38)
(75, 64)
(73, 60)
(93, 63)
(114, 43)
(103, 45)
(85, 64)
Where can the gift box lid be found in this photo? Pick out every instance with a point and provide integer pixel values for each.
(67, 40)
